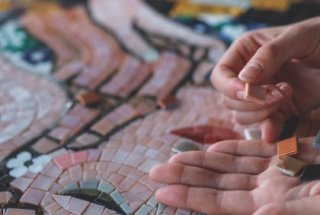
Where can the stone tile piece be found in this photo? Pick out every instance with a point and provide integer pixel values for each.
(63, 201)
(152, 202)
(77, 206)
(89, 184)
(125, 208)
(147, 165)
(94, 209)
(69, 188)
(89, 98)
(255, 93)
(18, 211)
(310, 173)
(160, 209)
(287, 147)
(63, 161)
(120, 156)
(79, 157)
(5, 197)
(52, 208)
(252, 133)
(45, 145)
(43, 182)
(117, 197)
(32, 196)
(51, 170)
(21, 183)
(134, 160)
(62, 211)
(144, 210)
(184, 147)
(105, 187)
(290, 166)
(168, 103)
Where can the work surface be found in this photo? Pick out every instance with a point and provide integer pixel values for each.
(92, 96)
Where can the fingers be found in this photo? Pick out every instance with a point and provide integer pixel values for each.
(276, 96)
(308, 205)
(207, 200)
(290, 44)
(222, 163)
(176, 173)
(244, 148)
(249, 117)
(272, 127)
(225, 75)
(114, 16)
(150, 20)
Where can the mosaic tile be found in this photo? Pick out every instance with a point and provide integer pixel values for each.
(5, 197)
(113, 92)
(89, 98)
(17, 211)
(168, 103)
(184, 147)
(290, 166)
(32, 196)
(62, 200)
(310, 172)
(77, 206)
(45, 145)
(287, 147)
(255, 93)
(145, 209)
(252, 134)
(94, 209)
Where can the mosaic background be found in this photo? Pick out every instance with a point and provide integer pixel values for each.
(93, 94)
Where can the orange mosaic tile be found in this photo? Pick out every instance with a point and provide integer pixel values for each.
(287, 147)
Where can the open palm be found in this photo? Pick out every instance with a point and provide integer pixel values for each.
(237, 177)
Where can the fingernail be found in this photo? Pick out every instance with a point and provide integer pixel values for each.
(251, 71)
(284, 89)
(240, 95)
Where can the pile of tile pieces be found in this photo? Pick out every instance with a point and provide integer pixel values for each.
(291, 166)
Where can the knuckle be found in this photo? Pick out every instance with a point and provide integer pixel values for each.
(271, 49)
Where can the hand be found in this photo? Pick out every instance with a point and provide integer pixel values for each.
(119, 17)
(237, 177)
(285, 60)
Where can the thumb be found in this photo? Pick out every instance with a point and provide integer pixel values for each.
(270, 57)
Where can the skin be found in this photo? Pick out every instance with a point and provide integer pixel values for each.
(285, 60)
(238, 177)
(119, 16)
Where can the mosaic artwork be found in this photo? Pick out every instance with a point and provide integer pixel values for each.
(93, 94)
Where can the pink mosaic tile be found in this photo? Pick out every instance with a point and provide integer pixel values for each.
(32, 196)
(77, 206)
(17, 211)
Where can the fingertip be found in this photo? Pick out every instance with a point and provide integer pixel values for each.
(271, 129)
(278, 93)
(285, 89)
(226, 82)
(155, 172)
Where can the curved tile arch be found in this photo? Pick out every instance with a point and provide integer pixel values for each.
(99, 192)
(29, 104)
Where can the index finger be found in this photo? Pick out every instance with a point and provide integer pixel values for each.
(225, 75)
